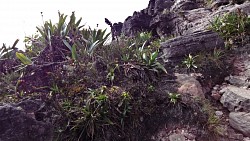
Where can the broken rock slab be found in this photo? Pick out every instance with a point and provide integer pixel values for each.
(240, 121)
(189, 44)
(235, 98)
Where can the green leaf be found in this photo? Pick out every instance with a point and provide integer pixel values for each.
(93, 47)
(67, 45)
(144, 57)
(73, 52)
(24, 59)
(153, 57)
(161, 67)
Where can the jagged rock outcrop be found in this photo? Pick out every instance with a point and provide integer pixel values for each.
(20, 125)
(179, 17)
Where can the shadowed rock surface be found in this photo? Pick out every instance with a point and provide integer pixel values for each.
(18, 125)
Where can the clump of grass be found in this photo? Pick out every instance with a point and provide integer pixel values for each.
(213, 122)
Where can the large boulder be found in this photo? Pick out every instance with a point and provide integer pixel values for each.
(240, 121)
(19, 125)
(189, 85)
(235, 98)
(193, 43)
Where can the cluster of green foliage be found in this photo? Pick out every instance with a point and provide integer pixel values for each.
(97, 90)
(233, 27)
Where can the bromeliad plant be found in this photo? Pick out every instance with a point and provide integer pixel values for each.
(174, 97)
(61, 29)
(189, 62)
(151, 62)
(94, 38)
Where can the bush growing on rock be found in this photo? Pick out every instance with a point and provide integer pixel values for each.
(233, 27)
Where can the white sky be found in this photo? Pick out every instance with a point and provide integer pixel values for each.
(19, 18)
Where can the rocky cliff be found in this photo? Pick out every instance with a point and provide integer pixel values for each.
(181, 17)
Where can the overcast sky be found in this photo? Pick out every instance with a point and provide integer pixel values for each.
(19, 18)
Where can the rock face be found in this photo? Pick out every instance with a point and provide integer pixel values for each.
(177, 17)
(18, 125)
(156, 6)
(183, 45)
(240, 121)
(235, 99)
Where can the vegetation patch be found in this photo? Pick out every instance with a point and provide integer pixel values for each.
(95, 90)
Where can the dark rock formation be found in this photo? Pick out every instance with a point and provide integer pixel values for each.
(140, 21)
(179, 17)
(156, 6)
(20, 125)
(116, 28)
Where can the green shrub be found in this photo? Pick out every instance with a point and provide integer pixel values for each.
(233, 27)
